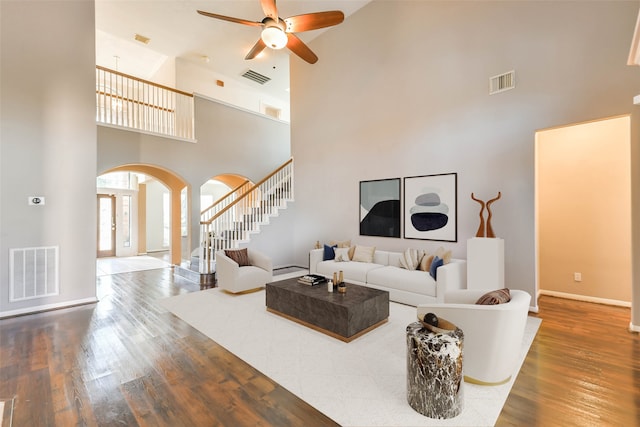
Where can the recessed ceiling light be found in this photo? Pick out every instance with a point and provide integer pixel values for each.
(142, 39)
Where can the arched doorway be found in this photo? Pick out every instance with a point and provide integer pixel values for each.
(218, 186)
(177, 204)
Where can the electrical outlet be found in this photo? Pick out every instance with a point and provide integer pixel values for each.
(577, 277)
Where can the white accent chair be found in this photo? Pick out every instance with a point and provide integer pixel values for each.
(493, 334)
(235, 279)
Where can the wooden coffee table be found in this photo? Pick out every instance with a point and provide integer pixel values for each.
(343, 316)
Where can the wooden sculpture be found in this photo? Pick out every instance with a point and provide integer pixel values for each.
(480, 232)
(481, 228)
(490, 232)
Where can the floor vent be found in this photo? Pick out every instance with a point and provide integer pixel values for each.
(256, 77)
(33, 273)
(502, 82)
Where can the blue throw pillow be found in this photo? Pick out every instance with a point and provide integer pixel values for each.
(433, 271)
(329, 252)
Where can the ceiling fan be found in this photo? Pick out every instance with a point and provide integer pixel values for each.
(278, 33)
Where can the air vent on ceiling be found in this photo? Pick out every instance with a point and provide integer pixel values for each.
(271, 111)
(502, 82)
(256, 77)
(141, 38)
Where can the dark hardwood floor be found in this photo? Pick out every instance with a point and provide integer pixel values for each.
(127, 361)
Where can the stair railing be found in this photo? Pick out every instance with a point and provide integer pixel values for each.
(239, 218)
(225, 200)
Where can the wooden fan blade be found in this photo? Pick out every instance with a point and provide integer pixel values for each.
(230, 19)
(313, 21)
(269, 9)
(256, 49)
(298, 47)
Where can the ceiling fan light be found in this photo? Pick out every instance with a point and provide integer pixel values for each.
(274, 37)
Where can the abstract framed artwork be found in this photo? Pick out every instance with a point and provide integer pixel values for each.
(431, 207)
(380, 208)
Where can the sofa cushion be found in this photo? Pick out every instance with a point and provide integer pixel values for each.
(410, 259)
(444, 255)
(425, 263)
(363, 253)
(341, 243)
(433, 270)
(381, 257)
(415, 281)
(342, 255)
(394, 259)
(238, 255)
(499, 296)
(329, 252)
(352, 271)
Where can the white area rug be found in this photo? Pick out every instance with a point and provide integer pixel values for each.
(361, 383)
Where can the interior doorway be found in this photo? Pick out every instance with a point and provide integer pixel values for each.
(106, 225)
(583, 211)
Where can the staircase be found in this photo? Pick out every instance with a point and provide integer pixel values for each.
(231, 220)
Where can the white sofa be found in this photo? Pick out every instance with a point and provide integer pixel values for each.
(493, 334)
(410, 287)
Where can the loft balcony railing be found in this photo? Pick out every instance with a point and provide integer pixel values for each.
(127, 101)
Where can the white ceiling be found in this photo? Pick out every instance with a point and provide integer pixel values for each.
(177, 30)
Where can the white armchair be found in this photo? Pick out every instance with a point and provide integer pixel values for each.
(235, 279)
(493, 334)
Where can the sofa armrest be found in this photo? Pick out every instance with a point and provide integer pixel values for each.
(451, 276)
(259, 259)
(226, 268)
(315, 256)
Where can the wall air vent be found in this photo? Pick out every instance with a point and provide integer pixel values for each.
(256, 77)
(502, 82)
(33, 273)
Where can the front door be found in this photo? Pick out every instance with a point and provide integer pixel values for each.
(106, 225)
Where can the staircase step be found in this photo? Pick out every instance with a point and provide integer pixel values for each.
(204, 280)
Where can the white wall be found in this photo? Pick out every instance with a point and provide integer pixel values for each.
(413, 100)
(48, 143)
(213, 190)
(155, 216)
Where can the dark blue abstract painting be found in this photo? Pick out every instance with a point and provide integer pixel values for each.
(430, 207)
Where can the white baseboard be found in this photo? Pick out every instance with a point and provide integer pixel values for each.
(47, 307)
(634, 328)
(586, 298)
